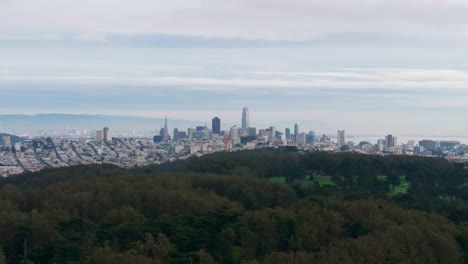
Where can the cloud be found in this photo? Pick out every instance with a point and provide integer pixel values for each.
(295, 20)
(354, 78)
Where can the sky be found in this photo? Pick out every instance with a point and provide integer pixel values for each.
(371, 67)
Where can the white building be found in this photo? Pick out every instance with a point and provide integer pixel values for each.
(340, 139)
(99, 136)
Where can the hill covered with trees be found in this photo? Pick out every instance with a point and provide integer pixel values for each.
(233, 208)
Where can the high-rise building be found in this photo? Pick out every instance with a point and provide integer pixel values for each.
(287, 132)
(175, 136)
(107, 134)
(428, 144)
(234, 133)
(296, 132)
(166, 130)
(272, 134)
(216, 126)
(6, 141)
(390, 141)
(252, 131)
(410, 145)
(245, 119)
(310, 138)
(340, 141)
(99, 136)
(301, 138)
(190, 132)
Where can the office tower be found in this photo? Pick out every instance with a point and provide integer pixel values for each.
(166, 131)
(245, 118)
(200, 128)
(216, 126)
(6, 141)
(278, 135)
(234, 133)
(389, 141)
(176, 134)
(410, 145)
(340, 141)
(296, 132)
(301, 138)
(99, 136)
(287, 132)
(263, 132)
(107, 134)
(310, 138)
(272, 134)
(182, 135)
(252, 131)
(190, 132)
(428, 144)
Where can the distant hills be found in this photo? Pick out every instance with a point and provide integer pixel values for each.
(52, 123)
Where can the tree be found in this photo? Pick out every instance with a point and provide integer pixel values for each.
(2, 257)
(23, 236)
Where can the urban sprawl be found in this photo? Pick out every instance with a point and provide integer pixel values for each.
(50, 152)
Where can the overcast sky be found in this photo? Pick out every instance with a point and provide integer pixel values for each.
(371, 67)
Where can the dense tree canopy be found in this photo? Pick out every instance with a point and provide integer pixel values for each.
(225, 208)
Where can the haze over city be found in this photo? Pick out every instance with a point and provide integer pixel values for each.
(371, 67)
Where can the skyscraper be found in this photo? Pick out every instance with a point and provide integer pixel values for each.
(166, 131)
(340, 138)
(390, 141)
(216, 125)
(245, 118)
(296, 132)
(234, 133)
(190, 132)
(287, 132)
(272, 134)
(99, 135)
(175, 136)
(107, 134)
(252, 131)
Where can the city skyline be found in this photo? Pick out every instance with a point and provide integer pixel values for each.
(379, 66)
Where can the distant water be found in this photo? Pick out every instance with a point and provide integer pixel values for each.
(404, 139)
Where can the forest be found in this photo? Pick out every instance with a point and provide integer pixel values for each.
(261, 206)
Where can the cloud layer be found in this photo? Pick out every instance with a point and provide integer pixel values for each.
(296, 20)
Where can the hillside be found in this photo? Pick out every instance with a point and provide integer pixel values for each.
(227, 208)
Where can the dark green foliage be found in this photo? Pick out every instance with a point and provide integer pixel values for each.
(223, 209)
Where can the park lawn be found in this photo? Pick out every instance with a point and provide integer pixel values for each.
(278, 179)
(382, 177)
(402, 188)
(324, 180)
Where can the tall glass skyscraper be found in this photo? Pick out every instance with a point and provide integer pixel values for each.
(245, 119)
(296, 132)
(216, 125)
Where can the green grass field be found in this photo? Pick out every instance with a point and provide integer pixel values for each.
(400, 189)
(327, 181)
(278, 179)
(324, 181)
